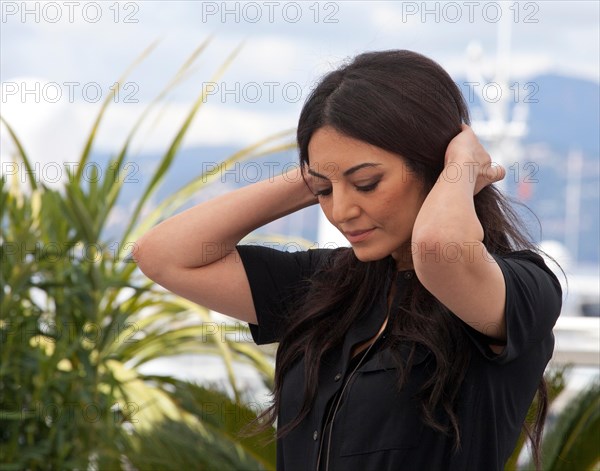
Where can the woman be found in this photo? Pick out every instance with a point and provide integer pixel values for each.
(422, 345)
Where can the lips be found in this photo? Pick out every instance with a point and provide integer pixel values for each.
(358, 236)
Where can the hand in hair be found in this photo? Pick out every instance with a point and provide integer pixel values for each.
(466, 151)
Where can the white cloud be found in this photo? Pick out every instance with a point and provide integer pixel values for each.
(214, 125)
(259, 56)
(390, 19)
(522, 65)
(53, 133)
(50, 133)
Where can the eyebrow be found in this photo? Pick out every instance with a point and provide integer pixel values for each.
(350, 171)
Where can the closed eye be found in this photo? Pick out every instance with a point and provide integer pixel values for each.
(366, 188)
(325, 192)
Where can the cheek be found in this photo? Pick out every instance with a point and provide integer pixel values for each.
(326, 208)
(394, 203)
(401, 209)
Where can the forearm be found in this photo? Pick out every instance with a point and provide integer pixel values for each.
(210, 230)
(448, 213)
(448, 254)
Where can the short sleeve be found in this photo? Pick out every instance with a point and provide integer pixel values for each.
(532, 306)
(278, 280)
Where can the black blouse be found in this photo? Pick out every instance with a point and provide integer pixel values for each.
(377, 426)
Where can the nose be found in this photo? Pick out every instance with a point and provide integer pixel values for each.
(344, 207)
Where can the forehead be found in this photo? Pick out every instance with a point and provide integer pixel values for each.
(330, 148)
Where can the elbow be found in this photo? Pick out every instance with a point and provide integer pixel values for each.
(429, 247)
(438, 254)
(144, 257)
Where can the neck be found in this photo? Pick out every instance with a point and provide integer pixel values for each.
(403, 258)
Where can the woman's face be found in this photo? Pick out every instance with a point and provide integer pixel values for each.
(368, 193)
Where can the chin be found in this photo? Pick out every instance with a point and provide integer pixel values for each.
(366, 255)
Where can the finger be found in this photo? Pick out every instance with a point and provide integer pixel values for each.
(494, 172)
(501, 173)
(490, 174)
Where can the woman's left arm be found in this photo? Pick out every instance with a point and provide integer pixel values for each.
(449, 257)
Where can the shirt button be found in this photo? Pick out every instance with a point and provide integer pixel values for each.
(337, 377)
(315, 435)
(408, 275)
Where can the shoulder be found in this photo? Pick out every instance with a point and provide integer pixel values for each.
(532, 304)
(528, 267)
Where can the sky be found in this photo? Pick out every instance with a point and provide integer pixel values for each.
(60, 59)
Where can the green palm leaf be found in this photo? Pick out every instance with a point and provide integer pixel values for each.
(167, 159)
(112, 182)
(572, 443)
(177, 199)
(109, 98)
(22, 154)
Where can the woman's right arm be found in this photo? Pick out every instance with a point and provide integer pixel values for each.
(193, 255)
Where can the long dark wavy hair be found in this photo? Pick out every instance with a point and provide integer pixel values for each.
(407, 104)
